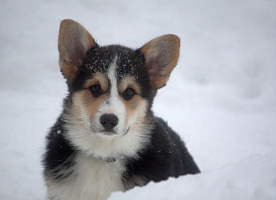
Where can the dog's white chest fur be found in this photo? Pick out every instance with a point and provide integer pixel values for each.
(92, 179)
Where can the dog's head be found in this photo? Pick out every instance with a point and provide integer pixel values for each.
(111, 88)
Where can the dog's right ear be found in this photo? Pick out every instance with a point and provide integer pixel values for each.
(73, 43)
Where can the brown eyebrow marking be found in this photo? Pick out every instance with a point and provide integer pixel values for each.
(90, 104)
(129, 82)
(98, 78)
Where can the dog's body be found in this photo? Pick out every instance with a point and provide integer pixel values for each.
(107, 138)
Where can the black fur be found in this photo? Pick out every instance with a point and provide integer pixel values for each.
(59, 154)
(166, 156)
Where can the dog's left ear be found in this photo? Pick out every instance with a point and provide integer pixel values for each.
(161, 56)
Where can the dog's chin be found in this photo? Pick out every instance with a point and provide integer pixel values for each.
(108, 133)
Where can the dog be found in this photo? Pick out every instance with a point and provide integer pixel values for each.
(107, 138)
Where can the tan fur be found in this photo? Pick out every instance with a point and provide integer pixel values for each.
(128, 81)
(132, 107)
(98, 78)
(168, 46)
(84, 101)
(133, 104)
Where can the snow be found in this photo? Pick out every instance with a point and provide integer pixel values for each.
(221, 97)
(239, 181)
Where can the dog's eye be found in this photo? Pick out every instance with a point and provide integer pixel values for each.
(96, 90)
(128, 93)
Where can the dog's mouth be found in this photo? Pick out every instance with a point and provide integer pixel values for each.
(126, 131)
(108, 133)
(113, 133)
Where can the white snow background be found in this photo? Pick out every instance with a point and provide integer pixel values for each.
(221, 97)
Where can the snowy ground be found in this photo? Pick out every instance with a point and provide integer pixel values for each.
(221, 97)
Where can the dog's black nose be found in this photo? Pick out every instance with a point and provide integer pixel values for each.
(109, 121)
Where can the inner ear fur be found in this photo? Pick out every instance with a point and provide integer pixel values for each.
(73, 43)
(161, 56)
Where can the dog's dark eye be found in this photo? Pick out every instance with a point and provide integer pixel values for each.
(128, 93)
(96, 90)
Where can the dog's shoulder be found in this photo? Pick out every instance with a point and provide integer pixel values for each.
(179, 155)
(60, 152)
(166, 156)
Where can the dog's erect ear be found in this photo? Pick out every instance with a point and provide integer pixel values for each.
(161, 56)
(73, 43)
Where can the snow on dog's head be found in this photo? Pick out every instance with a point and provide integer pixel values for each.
(111, 89)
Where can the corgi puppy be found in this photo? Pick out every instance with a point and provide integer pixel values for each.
(107, 138)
